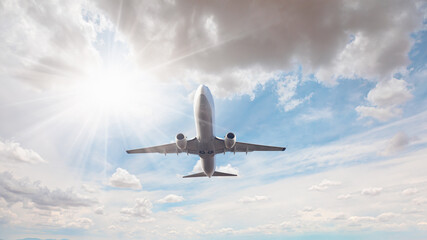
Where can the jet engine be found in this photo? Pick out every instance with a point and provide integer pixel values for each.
(181, 141)
(230, 140)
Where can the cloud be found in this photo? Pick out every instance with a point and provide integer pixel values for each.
(228, 169)
(171, 198)
(409, 191)
(323, 185)
(177, 211)
(99, 210)
(42, 42)
(286, 89)
(371, 191)
(22, 190)
(123, 179)
(12, 151)
(344, 196)
(385, 100)
(315, 115)
(198, 167)
(335, 41)
(84, 223)
(253, 199)
(142, 209)
(397, 143)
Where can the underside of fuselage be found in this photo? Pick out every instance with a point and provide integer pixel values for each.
(204, 112)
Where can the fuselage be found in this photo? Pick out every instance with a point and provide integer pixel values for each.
(204, 116)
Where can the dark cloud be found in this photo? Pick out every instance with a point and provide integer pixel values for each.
(215, 38)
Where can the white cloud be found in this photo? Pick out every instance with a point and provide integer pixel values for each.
(385, 100)
(22, 190)
(257, 198)
(324, 184)
(84, 223)
(409, 191)
(99, 210)
(373, 191)
(286, 89)
(88, 188)
(42, 42)
(198, 167)
(123, 179)
(171, 198)
(385, 217)
(177, 211)
(315, 115)
(228, 169)
(344, 196)
(12, 151)
(141, 209)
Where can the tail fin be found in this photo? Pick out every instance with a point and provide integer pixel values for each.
(215, 174)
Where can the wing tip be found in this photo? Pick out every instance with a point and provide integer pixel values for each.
(283, 149)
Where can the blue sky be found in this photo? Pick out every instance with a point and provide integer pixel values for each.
(342, 87)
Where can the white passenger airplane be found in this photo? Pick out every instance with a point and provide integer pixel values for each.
(205, 144)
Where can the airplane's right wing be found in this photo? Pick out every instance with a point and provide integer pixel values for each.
(244, 147)
(192, 148)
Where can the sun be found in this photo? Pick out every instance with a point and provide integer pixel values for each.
(112, 91)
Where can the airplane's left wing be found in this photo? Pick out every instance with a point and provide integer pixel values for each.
(244, 147)
(192, 148)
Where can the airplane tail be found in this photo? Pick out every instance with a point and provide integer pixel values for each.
(215, 174)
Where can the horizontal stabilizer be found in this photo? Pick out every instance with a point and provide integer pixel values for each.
(221, 174)
(201, 174)
(215, 174)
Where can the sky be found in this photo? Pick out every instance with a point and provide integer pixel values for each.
(340, 84)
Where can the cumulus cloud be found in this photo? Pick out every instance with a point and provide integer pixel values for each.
(99, 210)
(228, 169)
(22, 190)
(385, 100)
(337, 40)
(123, 179)
(323, 185)
(253, 199)
(373, 191)
(12, 151)
(142, 209)
(171, 198)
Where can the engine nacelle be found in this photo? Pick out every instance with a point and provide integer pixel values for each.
(230, 140)
(181, 141)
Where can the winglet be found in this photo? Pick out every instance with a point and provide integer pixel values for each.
(283, 149)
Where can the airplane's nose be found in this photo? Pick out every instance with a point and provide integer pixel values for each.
(203, 90)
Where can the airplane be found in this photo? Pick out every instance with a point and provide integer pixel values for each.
(205, 144)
